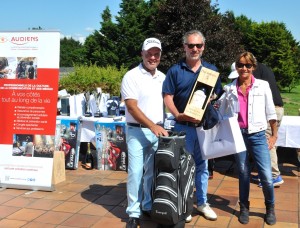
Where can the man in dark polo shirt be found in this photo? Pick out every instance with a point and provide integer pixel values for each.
(177, 87)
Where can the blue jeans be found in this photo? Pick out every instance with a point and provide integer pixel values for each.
(142, 144)
(192, 146)
(256, 145)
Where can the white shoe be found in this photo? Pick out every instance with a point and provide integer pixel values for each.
(188, 219)
(207, 212)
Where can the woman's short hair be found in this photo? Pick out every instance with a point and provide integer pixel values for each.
(249, 58)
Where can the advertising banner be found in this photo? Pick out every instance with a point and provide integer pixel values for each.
(29, 73)
(111, 146)
(67, 139)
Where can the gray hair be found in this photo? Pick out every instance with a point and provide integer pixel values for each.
(192, 32)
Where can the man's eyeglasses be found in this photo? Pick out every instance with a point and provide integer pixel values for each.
(241, 65)
(191, 46)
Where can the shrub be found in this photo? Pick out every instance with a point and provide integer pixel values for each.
(88, 78)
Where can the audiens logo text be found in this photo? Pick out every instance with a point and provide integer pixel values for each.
(19, 40)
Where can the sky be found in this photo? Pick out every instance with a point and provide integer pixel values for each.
(72, 18)
(79, 18)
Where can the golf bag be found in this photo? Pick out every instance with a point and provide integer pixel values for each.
(173, 181)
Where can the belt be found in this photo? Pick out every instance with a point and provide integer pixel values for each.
(244, 130)
(142, 126)
(136, 125)
(190, 124)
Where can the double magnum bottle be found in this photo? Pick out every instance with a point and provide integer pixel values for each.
(199, 97)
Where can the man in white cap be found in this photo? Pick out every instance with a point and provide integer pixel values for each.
(141, 90)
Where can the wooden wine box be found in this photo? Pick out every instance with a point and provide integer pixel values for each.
(207, 79)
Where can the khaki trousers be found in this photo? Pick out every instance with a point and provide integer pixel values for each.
(273, 153)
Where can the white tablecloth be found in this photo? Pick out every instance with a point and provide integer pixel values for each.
(289, 132)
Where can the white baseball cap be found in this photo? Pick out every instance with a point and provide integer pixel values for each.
(234, 74)
(150, 43)
(232, 66)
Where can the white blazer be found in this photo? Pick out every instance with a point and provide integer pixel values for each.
(261, 108)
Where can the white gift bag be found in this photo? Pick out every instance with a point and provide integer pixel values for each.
(223, 139)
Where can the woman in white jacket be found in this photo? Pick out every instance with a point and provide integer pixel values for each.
(250, 100)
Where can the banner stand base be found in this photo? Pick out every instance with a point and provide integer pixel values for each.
(59, 172)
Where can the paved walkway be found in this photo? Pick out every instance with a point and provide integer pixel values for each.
(95, 198)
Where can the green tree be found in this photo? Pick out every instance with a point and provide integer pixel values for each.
(175, 17)
(119, 43)
(101, 47)
(275, 46)
(71, 52)
(244, 25)
(133, 26)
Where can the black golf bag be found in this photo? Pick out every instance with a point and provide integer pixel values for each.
(173, 182)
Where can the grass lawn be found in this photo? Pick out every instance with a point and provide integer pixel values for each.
(291, 102)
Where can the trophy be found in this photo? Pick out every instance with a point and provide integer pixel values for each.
(98, 95)
(88, 112)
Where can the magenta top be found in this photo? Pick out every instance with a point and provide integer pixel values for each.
(243, 101)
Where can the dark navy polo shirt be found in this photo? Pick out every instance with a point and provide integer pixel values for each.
(180, 80)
